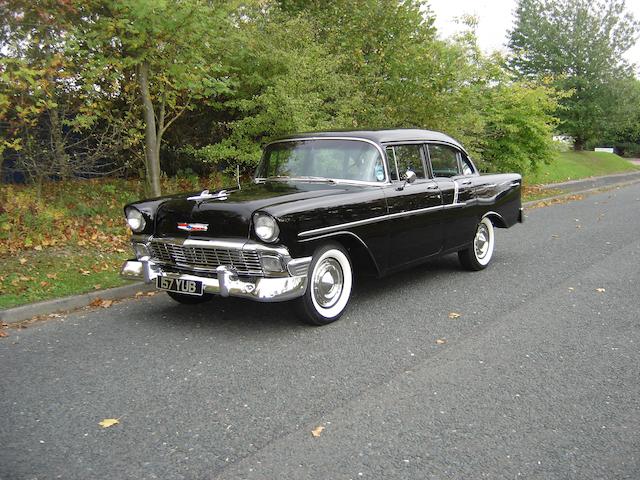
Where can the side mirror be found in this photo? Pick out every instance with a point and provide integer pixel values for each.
(410, 176)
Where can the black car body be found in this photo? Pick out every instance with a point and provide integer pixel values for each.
(322, 205)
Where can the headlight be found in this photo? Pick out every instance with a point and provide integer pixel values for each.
(135, 220)
(266, 227)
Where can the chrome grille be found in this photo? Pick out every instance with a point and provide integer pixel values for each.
(244, 262)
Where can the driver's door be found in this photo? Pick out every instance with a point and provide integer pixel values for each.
(415, 228)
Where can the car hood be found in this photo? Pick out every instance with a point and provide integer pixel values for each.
(229, 215)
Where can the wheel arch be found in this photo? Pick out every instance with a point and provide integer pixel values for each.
(361, 257)
(497, 219)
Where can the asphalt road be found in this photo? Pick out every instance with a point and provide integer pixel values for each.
(539, 376)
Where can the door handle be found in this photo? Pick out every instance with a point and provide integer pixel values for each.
(468, 182)
(432, 187)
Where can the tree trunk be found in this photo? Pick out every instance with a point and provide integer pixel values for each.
(578, 144)
(151, 144)
(60, 157)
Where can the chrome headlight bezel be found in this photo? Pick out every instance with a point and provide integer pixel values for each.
(265, 227)
(135, 219)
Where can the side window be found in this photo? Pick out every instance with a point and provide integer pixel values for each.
(467, 169)
(409, 157)
(444, 161)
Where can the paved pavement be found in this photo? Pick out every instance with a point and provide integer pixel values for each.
(538, 378)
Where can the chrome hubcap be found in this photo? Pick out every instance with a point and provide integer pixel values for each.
(327, 282)
(481, 242)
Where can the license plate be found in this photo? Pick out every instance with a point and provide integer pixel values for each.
(179, 285)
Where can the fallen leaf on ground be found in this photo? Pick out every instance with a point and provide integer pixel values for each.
(441, 341)
(600, 290)
(52, 276)
(317, 431)
(454, 315)
(571, 289)
(84, 272)
(23, 261)
(139, 294)
(3, 334)
(38, 247)
(97, 287)
(109, 422)
(98, 302)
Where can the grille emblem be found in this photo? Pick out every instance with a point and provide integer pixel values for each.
(193, 227)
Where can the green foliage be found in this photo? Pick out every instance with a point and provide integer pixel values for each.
(518, 127)
(578, 44)
(286, 82)
(208, 83)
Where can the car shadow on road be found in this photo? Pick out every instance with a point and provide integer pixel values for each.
(235, 316)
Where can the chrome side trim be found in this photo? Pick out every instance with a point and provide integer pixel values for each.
(380, 218)
(455, 191)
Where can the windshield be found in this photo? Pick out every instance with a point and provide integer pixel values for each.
(322, 159)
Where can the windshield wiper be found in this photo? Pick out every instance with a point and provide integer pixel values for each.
(315, 179)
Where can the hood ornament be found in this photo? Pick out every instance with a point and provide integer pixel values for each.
(205, 195)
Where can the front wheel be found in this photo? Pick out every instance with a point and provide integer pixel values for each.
(329, 287)
(479, 254)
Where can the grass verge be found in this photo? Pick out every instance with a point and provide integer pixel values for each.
(57, 272)
(577, 165)
(70, 239)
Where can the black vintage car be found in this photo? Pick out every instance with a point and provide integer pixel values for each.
(321, 206)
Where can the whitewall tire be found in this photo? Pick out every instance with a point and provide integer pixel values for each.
(480, 252)
(329, 285)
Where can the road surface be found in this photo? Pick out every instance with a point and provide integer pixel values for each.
(538, 378)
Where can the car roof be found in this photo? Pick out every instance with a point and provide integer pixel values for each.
(383, 136)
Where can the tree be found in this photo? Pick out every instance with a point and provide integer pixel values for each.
(285, 82)
(578, 44)
(51, 127)
(167, 51)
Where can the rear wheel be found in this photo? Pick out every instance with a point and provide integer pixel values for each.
(479, 254)
(329, 287)
(190, 299)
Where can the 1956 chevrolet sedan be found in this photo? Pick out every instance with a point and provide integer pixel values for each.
(322, 206)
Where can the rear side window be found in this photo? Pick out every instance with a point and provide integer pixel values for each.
(444, 161)
(467, 169)
(407, 157)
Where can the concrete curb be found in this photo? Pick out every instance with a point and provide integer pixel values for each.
(562, 196)
(25, 312)
(593, 180)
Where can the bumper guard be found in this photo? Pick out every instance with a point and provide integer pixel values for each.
(228, 283)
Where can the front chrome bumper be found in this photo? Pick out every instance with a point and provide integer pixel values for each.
(292, 284)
